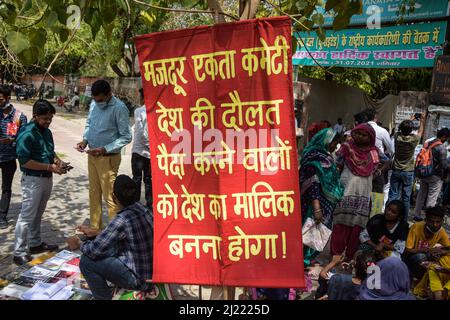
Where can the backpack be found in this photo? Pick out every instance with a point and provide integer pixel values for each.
(424, 161)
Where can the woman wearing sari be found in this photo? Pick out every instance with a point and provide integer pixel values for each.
(358, 159)
(320, 186)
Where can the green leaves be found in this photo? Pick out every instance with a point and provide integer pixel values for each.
(8, 13)
(38, 37)
(17, 41)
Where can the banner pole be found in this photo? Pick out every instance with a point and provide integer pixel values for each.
(225, 293)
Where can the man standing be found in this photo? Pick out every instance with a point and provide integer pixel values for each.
(37, 158)
(383, 139)
(107, 131)
(122, 253)
(140, 158)
(402, 177)
(380, 184)
(430, 187)
(11, 122)
(339, 127)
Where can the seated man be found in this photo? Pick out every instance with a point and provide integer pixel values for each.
(122, 253)
(422, 240)
(73, 103)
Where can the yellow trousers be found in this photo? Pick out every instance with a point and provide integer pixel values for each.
(102, 172)
(437, 281)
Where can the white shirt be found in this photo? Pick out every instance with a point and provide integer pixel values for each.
(383, 141)
(339, 128)
(140, 139)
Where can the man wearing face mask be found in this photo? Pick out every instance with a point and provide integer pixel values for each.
(107, 131)
(422, 240)
(11, 122)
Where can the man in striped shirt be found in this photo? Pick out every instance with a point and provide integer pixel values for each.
(11, 122)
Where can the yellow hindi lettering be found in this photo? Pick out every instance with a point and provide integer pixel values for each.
(176, 166)
(196, 201)
(168, 203)
(214, 64)
(255, 112)
(188, 243)
(217, 206)
(252, 245)
(268, 57)
(218, 159)
(277, 157)
(166, 71)
(199, 116)
(175, 121)
(263, 203)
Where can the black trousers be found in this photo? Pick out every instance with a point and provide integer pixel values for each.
(8, 170)
(141, 169)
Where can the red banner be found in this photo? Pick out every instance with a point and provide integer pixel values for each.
(223, 154)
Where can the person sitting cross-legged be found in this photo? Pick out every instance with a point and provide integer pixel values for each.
(423, 240)
(122, 253)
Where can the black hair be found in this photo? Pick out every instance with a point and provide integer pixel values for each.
(42, 108)
(339, 119)
(406, 127)
(141, 93)
(444, 132)
(5, 91)
(360, 118)
(100, 86)
(435, 212)
(339, 137)
(125, 190)
(362, 261)
(400, 206)
(370, 113)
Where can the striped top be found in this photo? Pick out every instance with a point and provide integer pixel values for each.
(10, 126)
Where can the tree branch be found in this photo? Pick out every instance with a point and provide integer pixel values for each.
(215, 6)
(184, 10)
(250, 9)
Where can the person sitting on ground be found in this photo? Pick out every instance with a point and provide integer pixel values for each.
(394, 282)
(73, 103)
(386, 233)
(122, 253)
(422, 240)
(437, 278)
(344, 286)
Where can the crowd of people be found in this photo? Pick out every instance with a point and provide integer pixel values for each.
(357, 183)
(344, 189)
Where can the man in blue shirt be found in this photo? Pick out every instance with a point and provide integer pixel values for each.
(11, 122)
(122, 253)
(107, 131)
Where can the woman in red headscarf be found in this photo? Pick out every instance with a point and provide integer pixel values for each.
(359, 160)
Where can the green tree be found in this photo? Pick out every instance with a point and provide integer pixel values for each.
(37, 32)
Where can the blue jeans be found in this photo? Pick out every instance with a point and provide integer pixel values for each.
(401, 188)
(97, 272)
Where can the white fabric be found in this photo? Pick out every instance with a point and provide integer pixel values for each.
(364, 236)
(315, 235)
(140, 139)
(339, 128)
(383, 141)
